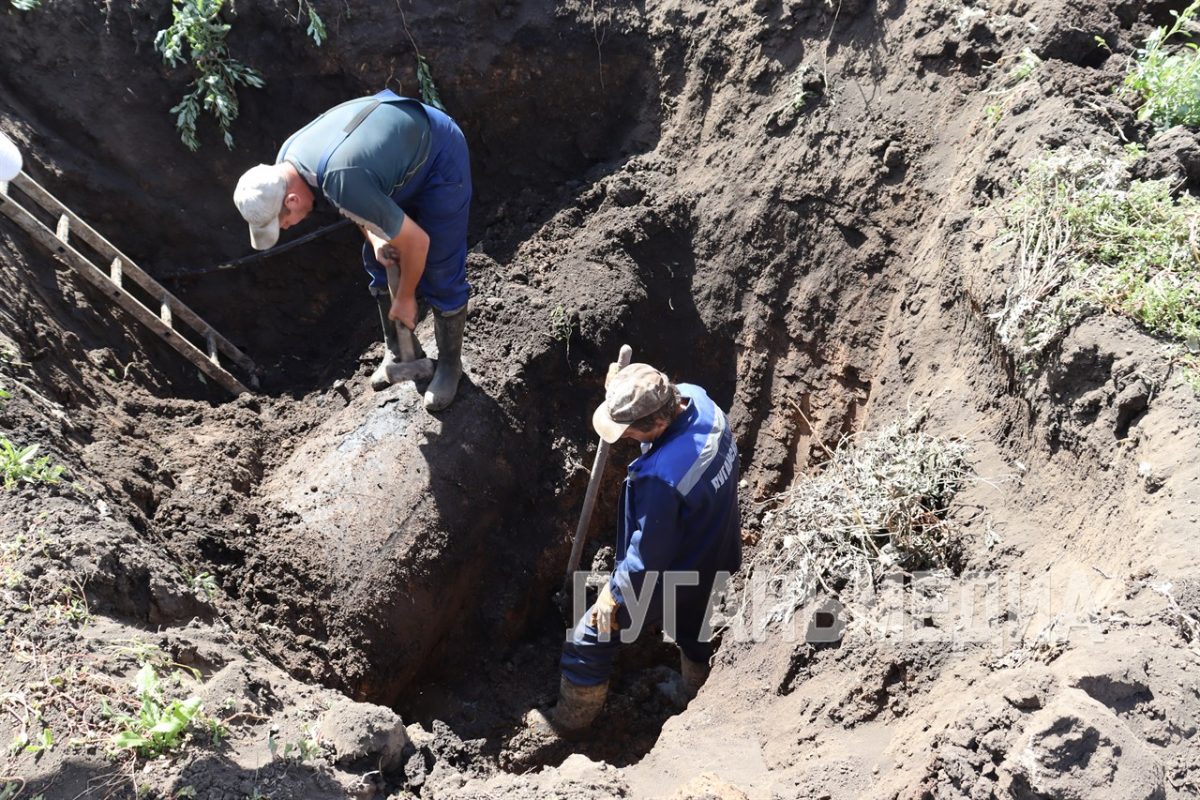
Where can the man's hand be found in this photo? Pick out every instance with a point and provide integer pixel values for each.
(385, 254)
(604, 613)
(404, 311)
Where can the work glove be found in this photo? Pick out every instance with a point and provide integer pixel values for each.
(604, 612)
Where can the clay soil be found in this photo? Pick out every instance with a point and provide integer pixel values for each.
(789, 202)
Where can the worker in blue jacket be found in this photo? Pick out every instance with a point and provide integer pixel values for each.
(401, 171)
(679, 533)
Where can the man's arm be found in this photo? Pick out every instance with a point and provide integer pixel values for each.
(407, 251)
(653, 545)
(656, 540)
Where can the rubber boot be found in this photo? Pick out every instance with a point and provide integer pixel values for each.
(448, 327)
(391, 341)
(545, 736)
(694, 673)
(576, 710)
(577, 707)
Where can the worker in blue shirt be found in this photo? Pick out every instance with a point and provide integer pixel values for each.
(679, 533)
(401, 171)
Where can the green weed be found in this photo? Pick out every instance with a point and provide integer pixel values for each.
(21, 465)
(72, 606)
(21, 743)
(1027, 64)
(301, 750)
(994, 112)
(204, 583)
(1133, 151)
(1092, 239)
(1168, 83)
(560, 324)
(561, 327)
(1014, 82)
(158, 726)
(1189, 372)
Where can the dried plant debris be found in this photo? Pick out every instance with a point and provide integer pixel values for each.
(879, 505)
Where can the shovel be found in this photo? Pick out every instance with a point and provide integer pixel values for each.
(589, 505)
(409, 367)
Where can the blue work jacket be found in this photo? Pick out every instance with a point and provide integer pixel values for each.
(678, 507)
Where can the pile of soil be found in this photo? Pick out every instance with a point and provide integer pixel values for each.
(789, 203)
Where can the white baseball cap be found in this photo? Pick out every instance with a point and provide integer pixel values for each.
(259, 197)
(10, 159)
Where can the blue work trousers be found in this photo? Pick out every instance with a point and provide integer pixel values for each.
(587, 657)
(437, 198)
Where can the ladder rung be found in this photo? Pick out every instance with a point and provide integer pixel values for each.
(4, 188)
(120, 270)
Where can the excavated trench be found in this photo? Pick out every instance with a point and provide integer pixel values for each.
(785, 202)
(410, 560)
(367, 546)
(372, 546)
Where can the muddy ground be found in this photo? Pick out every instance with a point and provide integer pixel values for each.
(789, 203)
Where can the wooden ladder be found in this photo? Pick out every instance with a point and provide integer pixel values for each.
(113, 281)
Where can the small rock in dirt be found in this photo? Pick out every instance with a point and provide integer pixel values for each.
(358, 730)
(1029, 692)
(624, 193)
(893, 156)
(1173, 154)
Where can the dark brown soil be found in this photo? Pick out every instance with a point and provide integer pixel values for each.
(785, 202)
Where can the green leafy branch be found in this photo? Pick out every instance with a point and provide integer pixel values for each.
(316, 26)
(198, 35)
(428, 89)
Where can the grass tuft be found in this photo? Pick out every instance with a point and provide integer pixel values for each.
(1090, 239)
(1015, 82)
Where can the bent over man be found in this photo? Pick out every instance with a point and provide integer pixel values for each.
(400, 170)
(678, 533)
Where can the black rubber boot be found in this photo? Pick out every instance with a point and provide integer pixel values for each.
(448, 327)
